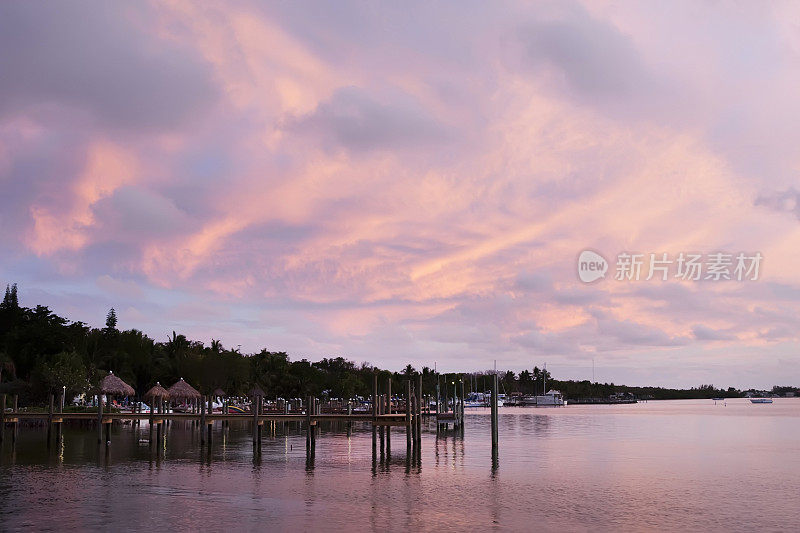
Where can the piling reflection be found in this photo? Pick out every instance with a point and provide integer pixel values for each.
(166, 441)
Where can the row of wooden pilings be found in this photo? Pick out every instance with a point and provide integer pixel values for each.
(54, 419)
(13, 421)
(381, 404)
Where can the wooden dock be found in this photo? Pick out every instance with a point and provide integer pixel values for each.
(383, 417)
(385, 414)
(395, 419)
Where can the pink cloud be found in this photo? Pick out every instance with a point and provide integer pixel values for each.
(408, 194)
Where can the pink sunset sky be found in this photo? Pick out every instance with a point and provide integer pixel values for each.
(411, 182)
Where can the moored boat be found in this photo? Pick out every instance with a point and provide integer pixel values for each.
(553, 398)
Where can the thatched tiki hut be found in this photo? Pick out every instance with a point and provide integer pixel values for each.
(182, 391)
(111, 385)
(156, 395)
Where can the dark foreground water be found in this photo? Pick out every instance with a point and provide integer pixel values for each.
(676, 466)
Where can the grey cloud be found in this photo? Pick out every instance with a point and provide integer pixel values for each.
(355, 120)
(553, 344)
(779, 333)
(596, 59)
(787, 201)
(705, 333)
(342, 30)
(533, 281)
(541, 284)
(599, 65)
(91, 56)
(135, 214)
(623, 333)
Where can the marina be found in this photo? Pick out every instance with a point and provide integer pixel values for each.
(181, 403)
(556, 466)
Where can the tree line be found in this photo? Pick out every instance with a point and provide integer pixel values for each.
(41, 352)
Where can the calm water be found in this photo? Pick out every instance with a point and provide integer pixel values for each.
(660, 465)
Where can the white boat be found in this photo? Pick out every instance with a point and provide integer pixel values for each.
(760, 400)
(553, 398)
(477, 399)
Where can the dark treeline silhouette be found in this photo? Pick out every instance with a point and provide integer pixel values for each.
(41, 352)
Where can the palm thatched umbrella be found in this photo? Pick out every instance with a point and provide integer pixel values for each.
(157, 392)
(256, 391)
(183, 391)
(113, 386)
(219, 393)
(156, 396)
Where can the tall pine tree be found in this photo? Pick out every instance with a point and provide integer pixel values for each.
(111, 320)
(10, 300)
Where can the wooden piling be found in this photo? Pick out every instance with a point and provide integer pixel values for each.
(2, 416)
(110, 420)
(381, 433)
(388, 411)
(209, 423)
(202, 420)
(375, 395)
(408, 415)
(99, 419)
(438, 395)
(254, 408)
(494, 419)
(309, 408)
(60, 426)
(389, 395)
(15, 423)
(50, 420)
(461, 410)
(419, 408)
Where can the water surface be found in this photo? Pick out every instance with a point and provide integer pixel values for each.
(660, 465)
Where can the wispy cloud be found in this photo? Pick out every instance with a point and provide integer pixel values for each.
(407, 183)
